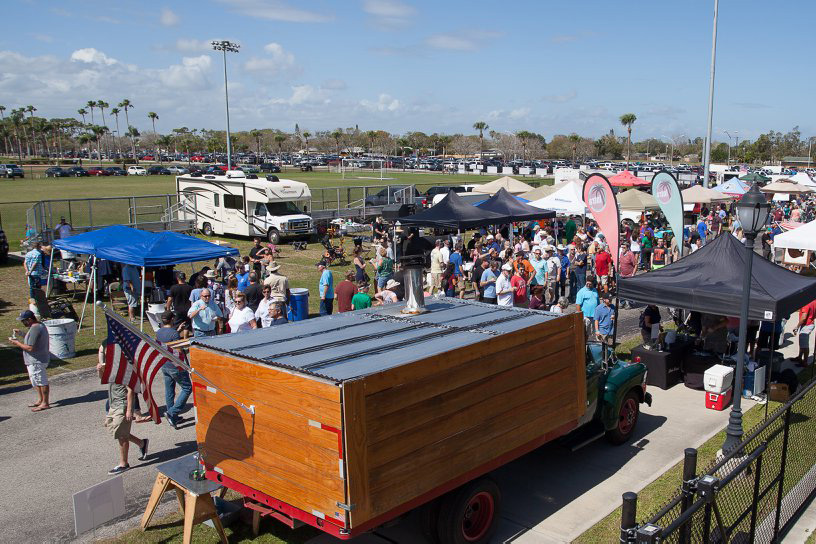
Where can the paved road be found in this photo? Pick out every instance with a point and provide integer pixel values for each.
(50, 455)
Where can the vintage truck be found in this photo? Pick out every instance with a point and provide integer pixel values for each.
(363, 416)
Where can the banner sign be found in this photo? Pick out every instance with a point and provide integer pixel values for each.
(601, 201)
(667, 193)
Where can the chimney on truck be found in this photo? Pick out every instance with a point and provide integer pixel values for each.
(414, 292)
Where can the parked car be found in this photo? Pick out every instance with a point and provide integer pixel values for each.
(177, 170)
(158, 171)
(136, 171)
(56, 172)
(305, 167)
(249, 169)
(271, 168)
(97, 171)
(443, 190)
(115, 171)
(11, 171)
(197, 158)
(77, 172)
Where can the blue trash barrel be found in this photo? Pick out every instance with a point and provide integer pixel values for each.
(298, 304)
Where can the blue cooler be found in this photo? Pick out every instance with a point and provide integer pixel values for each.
(298, 304)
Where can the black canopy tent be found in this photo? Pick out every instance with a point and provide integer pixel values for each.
(504, 203)
(710, 281)
(453, 213)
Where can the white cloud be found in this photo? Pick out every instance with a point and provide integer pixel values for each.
(449, 41)
(519, 113)
(92, 56)
(560, 98)
(334, 85)
(192, 45)
(190, 74)
(495, 114)
(384, 103)
(302, 94)
(279, 61)
(275, 10)
(168, 18)
(389, 12)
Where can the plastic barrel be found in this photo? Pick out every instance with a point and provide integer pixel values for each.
(298, 304)
(61, 337)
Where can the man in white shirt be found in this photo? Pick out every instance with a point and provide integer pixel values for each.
(445, 249)
(437, 267)
(64, 229)
(504, 289)
(553, 273)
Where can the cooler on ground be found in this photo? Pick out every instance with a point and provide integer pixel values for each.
(718, 401)
(718, 379)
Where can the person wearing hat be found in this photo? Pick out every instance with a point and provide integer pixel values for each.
(35, 356)
(362, 299)
(504, 287)
(491, 243)
(64, 229)
(277, 283)
(325, 288)
(488, 282)
(386, 295)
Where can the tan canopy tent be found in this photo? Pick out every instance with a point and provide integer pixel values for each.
(511, 185)
(698, 194)
(634, 200)
(785, 186)
(546, 190)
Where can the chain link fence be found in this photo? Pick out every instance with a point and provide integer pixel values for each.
(751, 494)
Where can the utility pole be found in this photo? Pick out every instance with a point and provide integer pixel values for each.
(225, 46)
(707, 150)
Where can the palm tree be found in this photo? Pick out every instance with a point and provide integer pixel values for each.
(627, 120)
(126, 105)
(371, 135)
(6, 135)
(306, 136)
(165, 142)
(575, 139)
(481, 126)
(337, 134)
(17, 118)
(101, 104)
(91, 105)
(115, 112)
(524, 136)
(30, 110)
(256, 135)
(279, 139)
(153, 117)
(43, 127)
(83, 112)
(99, 132)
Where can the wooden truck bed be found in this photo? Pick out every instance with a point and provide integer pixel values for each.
(364, 415)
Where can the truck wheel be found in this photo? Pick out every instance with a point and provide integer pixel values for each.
(429, 521)
(273, 236)
(627, 419)
(469, 515)
(206, 228)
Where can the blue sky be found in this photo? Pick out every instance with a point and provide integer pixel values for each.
(402, 65)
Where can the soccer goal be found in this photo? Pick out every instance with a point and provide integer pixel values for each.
(363, 168)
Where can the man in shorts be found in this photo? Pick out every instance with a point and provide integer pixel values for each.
(121, 400)
(35, 356)
(132, 286)
(807, 318)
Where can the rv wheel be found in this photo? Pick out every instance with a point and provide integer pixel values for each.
(206, 228)
(273, 236)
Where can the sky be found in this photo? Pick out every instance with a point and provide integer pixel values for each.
(432, 66)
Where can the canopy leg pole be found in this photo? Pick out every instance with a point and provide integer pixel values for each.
(85, 302)
(48, 277)
(95, 290)
(141, 310)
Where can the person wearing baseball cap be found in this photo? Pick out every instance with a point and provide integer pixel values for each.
(504, 287)
(326, 288)
(35, 356)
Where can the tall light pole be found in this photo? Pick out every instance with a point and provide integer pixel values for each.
(810, 146)
(225, 46)
(736, 143)
(671, 154)
(707, 149)
(753, 211)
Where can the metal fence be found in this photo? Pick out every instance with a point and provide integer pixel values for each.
(357, 201)
(752, 494)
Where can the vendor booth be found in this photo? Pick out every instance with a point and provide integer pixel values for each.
(796, 246)
(513, 209)
(140, 248)
(452, 212)
(568, 200)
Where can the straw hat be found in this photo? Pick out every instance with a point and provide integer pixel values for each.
(390, 284)
(210, 274)
(272, 267)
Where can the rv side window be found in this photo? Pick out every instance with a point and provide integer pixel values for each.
(216, 200)
(234, 202)
(260, 209)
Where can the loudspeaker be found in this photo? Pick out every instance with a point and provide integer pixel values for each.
(395, 211)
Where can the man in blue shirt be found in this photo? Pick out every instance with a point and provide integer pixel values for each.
(326, 288)
(205, 315)
(456, 260)
(33, 269)
(565, 264)
(587, 300)
(605, 320)
(488, 282)
(702, 229)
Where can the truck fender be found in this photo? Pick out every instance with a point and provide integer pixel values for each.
(621, 380)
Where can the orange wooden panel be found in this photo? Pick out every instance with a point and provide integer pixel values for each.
(357, 469)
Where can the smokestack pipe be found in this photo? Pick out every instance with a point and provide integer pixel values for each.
(413, 266)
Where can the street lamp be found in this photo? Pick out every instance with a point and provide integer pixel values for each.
(736, 143)
(752, 210)
(225, 46)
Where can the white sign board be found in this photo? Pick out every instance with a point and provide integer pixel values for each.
(525, 170)
(99, 504)
(492, 169)
(507, 170)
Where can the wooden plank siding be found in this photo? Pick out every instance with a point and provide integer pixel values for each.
(418, 426)
(281, 450)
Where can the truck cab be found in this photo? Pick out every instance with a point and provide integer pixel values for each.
(280, 219)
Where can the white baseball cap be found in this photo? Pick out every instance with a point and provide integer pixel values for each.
(506, 266)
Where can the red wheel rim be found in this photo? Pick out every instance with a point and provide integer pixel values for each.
(628, 413)
(478, 516)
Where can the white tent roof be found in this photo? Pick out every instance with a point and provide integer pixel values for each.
(512, 185)
(802, 238)
(546, 190)
(803, 179)
(568, 200)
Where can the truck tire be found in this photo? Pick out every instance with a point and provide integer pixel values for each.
(627, 419)
(207, 229)
(273, 236)
(470, 514)
(429, 521)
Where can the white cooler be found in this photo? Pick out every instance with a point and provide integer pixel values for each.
(718, 379)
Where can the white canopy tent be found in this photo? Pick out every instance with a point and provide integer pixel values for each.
(568, 200)
(803, 179)
(802, 238)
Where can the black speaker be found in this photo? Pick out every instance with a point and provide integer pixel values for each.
(395, 211)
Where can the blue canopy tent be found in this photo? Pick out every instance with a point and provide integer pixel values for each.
(139, 248)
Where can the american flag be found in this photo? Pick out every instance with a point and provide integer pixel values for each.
(132, 359)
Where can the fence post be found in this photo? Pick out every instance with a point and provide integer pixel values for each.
(689, 474)
(754, 505)
(70, 215)
(628, 514)
(782, 474)
(90, 213)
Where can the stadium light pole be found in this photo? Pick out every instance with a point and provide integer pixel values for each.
(226, 46)
(707, 149)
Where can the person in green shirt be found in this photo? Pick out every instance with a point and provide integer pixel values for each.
(570, 228)
(385, 271)
(361, 299)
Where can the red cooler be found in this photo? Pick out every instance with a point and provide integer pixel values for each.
(718, 401)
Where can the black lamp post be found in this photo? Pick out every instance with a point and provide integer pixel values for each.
(753, 211)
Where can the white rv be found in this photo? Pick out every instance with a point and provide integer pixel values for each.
(237, 203)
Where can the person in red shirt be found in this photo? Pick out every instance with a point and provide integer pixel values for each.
(344, 291)
(807, 315)
(603, 262)
(627, 263)
(519, 284)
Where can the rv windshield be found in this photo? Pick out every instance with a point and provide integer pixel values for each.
(283, 208)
